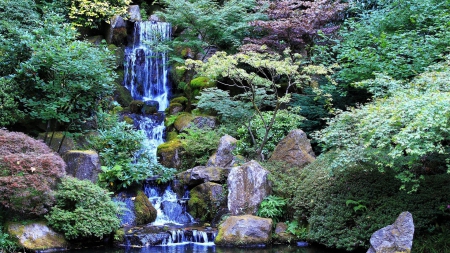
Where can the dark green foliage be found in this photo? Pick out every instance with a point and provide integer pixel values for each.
(83, 210)
(7, 244)
(398, 38)
(319, 198)
(202, 82)
(312, 107)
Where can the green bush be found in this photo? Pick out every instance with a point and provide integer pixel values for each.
(6, 244)
(83, 209)
(326, 202)
(272, 207)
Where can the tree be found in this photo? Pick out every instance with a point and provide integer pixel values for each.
(266, 81)
(294, 24)
(398, 38)
(405, 129)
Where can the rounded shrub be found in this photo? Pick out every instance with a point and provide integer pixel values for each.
(83, 210)
(29, 171)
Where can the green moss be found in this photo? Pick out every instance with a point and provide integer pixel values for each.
(119, 235)
(136, 106)
(179, 100)
(202, 82)
(183, 120)
(197, 206)
(145, 212)
(128, 119)
(172, 106)
(172, 135)
(121, 94)
(169, 147)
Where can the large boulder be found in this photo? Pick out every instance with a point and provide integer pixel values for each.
(134, 13)
(282, 235)
(224, 156)
(36, 236)
(206, 200)
(145, 212)
(83, 164)
(169, 154)
(245, 230)
(54, 142)
(203, 174)
(248, 185)
(294, 149)
(394, 238)
(116, 32)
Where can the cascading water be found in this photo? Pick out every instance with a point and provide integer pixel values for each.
(146, 77)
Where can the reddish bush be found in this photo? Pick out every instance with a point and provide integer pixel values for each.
(28, 173)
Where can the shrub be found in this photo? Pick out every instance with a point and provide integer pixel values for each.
(29, 171)
(272, 207)
(6, 244)
(327, 202)
(83, 209)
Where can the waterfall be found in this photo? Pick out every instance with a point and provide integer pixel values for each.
(190, 236)
(170, 208)
(146, 77)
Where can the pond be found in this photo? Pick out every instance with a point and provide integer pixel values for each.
(201, 248)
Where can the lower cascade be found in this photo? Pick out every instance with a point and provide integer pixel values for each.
(190, 236)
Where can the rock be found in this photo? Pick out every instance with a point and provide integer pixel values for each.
(144, 211)
(175, 108)
(134, 13)
(281, 235)
(205, 122)
(205, 200)
(150, 107)
(245, 230)
(224, 155)
(169, 154)
(203, 174)
(294, 149)
(145, 236)
(136, 106)
(248, 185)
(394, 238)
(37, 236)
(83, 164)
(183, 121)
(116, 32)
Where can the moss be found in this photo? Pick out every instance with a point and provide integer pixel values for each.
(128, 119)
(145, 212)
(174, 108)
(183, 120)
(202, 82)
(136, 106)
(35, 235)
(172, 135)
(197, 206)
(121, 94)
(169, 148)
(119, 235)
(179, 100)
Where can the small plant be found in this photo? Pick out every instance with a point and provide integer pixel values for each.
(6, 244)
(296, 229)
(357, 205)
(272, 207)
(83, 209)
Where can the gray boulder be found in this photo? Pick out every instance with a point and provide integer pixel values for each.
(245, 230)
(206, 200)
(203, 174)
(394, 238)
(224, 156)
(294, 149)
(134, 13)
(116, 32)
(37, 236)
(83, 164)
(248, 185)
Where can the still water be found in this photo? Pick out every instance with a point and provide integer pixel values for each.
(199, 248)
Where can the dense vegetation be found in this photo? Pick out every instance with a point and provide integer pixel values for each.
(368, 80)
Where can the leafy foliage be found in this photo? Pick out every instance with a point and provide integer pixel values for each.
(198, 145)
(403, 131)
(6, 243)
(272, 207)
(205, 24)
(90, 13)
(294, 24)
(83, 209)
(265, 80)
(398, 38)
(29, 171)
(123, 154)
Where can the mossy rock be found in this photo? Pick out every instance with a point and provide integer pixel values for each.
(183, 120)
(121, 94)
(172, 135)
(36, 236)
(144, 210)
(202, 82)
(128, 119)
(169, 153)
(174, 108)
(205, 200)
(179, 100)
(149, 109)
(136, 106)
(68, 143)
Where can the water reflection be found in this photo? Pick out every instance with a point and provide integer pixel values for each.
(199, 248)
